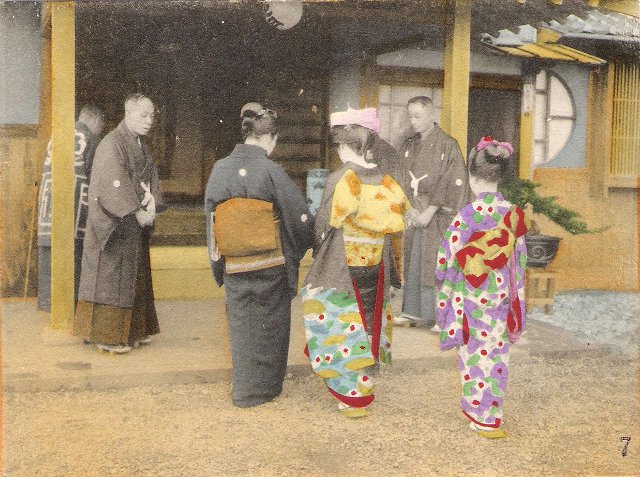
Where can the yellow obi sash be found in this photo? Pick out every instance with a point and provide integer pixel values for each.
(488, 250)
(247, 233)
(366, 213)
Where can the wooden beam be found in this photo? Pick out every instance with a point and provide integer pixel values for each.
(62, 167)
(494, 81)
(455, 96)
(413, 41)
(420, 13)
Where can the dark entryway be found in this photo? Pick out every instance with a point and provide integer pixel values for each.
(495, 113)
(200, 64)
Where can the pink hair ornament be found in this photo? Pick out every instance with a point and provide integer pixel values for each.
(488, 141)
(367, 118)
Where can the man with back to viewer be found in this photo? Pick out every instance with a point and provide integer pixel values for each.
(116, 307)
(434, 176)
(88, 127)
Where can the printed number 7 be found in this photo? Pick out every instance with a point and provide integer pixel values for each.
(626, 445)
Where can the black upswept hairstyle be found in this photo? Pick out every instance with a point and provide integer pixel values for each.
(258, 121)
(486, 166)
(358, 138)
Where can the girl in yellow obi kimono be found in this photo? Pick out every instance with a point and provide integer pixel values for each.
(347, 318)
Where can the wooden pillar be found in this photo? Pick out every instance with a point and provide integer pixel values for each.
(44, 117)
(62, 167)
(369, 95)
(599, 114)
(455, 97)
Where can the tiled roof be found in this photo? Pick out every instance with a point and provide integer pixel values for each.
(525, 44)
(598, 23)
(598, 26)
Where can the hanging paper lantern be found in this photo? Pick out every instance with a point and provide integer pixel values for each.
(283, 14)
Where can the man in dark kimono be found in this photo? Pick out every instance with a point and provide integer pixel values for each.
(87, 131)
(435, 178)
(116, 307)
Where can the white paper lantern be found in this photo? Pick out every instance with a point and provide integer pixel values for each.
(283, 14)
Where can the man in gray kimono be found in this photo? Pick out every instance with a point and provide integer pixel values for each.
(436, 181)
(87, 135)
(116, 307)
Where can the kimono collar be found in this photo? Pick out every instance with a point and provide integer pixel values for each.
(249, 150)
(84, 129)
(130, 135)
(360, 169)
(436, 131)
(365, 166)
(81, 126)
(496, 194)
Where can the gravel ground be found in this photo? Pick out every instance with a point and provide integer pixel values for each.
(565, 416)
(610, 319)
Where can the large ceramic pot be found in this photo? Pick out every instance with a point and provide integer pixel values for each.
(541, 250)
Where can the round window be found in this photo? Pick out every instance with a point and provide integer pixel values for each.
(554, 117)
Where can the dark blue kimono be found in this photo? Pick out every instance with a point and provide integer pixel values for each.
(85, 148)
(259, 301)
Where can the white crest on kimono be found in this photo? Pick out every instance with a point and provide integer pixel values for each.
(415, 181)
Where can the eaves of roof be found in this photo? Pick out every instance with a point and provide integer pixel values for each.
(550, 52)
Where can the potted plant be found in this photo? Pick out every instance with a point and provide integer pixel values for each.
(541, 249)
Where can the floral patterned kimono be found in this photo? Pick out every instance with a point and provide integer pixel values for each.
(347, 318)
(480, 303)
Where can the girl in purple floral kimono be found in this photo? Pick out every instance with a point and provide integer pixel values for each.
(480, 305)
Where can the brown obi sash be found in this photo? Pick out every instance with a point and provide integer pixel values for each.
(247, 234)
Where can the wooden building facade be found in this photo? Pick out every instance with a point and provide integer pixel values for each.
(200, 61)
